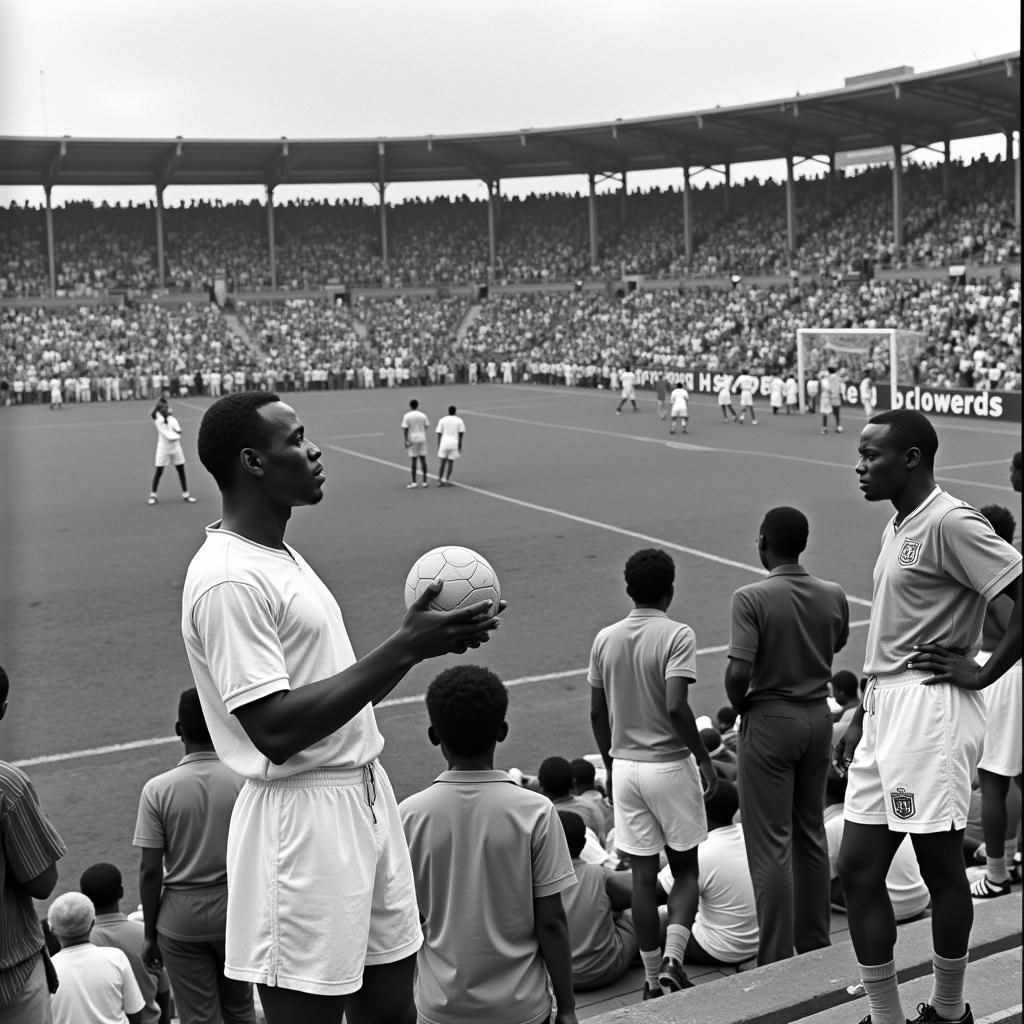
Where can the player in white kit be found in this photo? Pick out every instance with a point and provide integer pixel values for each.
(679, 408)
(746, 384)
(912, 747)
(414, 433)
(725, 402)
(168, 449)
(450, 431)
(628, 381)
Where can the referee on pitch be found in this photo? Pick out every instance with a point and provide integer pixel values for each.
(783, 634)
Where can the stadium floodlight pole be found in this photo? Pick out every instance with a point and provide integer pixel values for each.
(492, 234)
(49, 242)
(622, 200)
(897, 194)
(592, 217)
(726, 185)
(270, 236)
(790, 210)
(382, 186)
(687, 216)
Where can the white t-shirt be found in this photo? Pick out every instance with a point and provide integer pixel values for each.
(907, 891)
(746, 385)
(726, 921)
(257, 621)
(416, 423)
(169, 435)
(724, 395)
(96, 985)
(679, 399)
(450, 428)
(934, 577)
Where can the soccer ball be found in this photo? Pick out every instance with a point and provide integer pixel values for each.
(467, 577)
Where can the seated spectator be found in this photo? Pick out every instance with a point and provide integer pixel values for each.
(728, 721)
(585, 786)
(96, 984)
(555, 779)
(846, 690)
(723, 919)
(604, 941)
(101, 883)
(722, 757)
(490, 862)
(907, 891)
(182, 830)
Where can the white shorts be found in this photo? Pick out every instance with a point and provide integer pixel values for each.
(319, 881)
(448, 450)
(629, 391)
(746, 399)
(825, 408)
(657, 804)
(416, 448)
(913, 768)
(1004, 706)
(679, 411)
(170, 456)
(724, 399)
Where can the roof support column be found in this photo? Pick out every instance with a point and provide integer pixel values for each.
(727, 172)
(1016, 185)
(492, 230)
(622, 202)
(1009, 146)
(897, 194)
(830, 180)
(270, 236)
(592, 217)
(49, 244)
(946, 180)
(687, 217)
(382, 187)
(160, 236)
(790, 209)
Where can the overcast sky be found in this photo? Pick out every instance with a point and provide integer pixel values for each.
(367, 68)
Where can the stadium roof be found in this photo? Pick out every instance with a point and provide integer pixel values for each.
(967, 101)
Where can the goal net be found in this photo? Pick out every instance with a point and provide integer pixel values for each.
(889, 355)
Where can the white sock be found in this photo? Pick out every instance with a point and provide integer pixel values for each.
(883, 993)
(948, 986)
(651, 959)
(675, 941)
(995, 868)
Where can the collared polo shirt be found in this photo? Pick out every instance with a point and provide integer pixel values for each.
(630, 660)
(115, 931)
(258, 620)
(482, 850)
(935, 573)
(789, 625)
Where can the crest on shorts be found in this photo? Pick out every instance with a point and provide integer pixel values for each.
(902, 803)
(910, 552)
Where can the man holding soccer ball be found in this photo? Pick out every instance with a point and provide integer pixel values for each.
(289, 708)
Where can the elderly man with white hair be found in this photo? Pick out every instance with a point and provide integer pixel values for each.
(96, 982)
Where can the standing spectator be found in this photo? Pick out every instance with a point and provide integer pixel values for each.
(168, 448)
(96, 982)
(604, 942)
(29, 851)
(491, 862)
(912, 747)
(661, 394)
(776, 395)
(792, 395)
(101, 883)
(290, 709)
(450, 431)
(182, 830)
(784, 632)
(722, 913)
(641, 669)
(414, 433)
(1000, 762)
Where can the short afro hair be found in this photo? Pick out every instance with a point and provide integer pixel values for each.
(845, 686)
(191, 717)
(785, 531)
(467, 706)
(555, 776)
(101, 883)
(726, 717)
(722, 807)
(584, 774)
(1001, 519)
(229, 425)
(575, 832)
(908, 429)
(650, 575)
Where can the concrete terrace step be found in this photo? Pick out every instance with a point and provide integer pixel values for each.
(791, 991)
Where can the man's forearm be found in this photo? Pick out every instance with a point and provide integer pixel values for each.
(602, 729)
(1007, 651)
(151, 885)
(552, 933)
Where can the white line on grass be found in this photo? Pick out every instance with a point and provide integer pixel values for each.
(847, 466)
(395, 702)
(695, 552)
(345, 437)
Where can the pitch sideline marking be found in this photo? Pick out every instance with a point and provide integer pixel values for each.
(695, 552)
(384, 705)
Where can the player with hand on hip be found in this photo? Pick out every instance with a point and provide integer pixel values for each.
(168, 448)
(450, 431)
(414, 433)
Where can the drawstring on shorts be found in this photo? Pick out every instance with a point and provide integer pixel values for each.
(370, 789)
(869, 702)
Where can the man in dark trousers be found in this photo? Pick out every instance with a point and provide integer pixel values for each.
(783, 634)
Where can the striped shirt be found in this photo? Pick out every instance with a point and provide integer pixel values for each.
(29, 844)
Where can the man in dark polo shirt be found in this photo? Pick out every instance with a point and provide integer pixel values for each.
(784, 632)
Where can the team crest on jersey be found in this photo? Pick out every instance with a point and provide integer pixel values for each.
(902, 803)
(910, 552)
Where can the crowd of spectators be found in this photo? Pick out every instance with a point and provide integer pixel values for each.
(967, 335)
(539, 238)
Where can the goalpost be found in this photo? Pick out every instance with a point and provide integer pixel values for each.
(889, 354)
